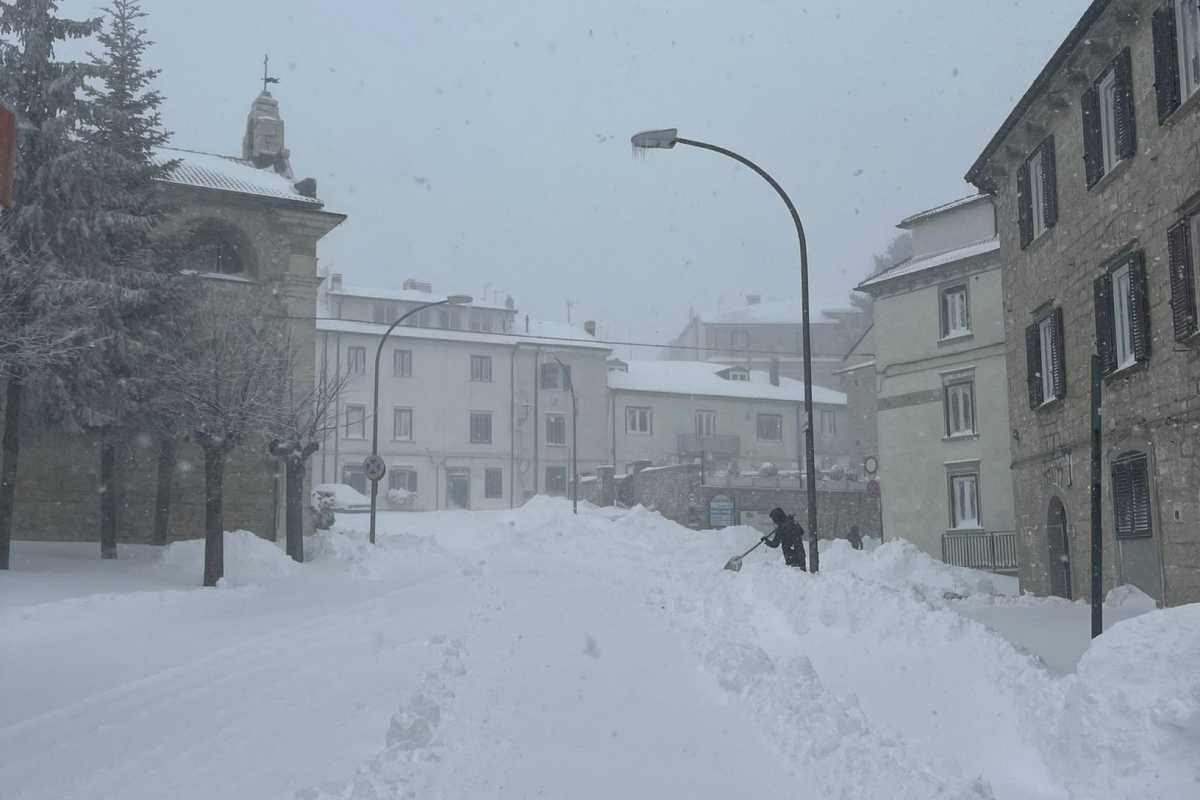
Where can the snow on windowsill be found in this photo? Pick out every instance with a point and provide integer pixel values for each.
(955, 338)
(1109, 177)
(1184, 111)
(1125, 369)
(956, 437)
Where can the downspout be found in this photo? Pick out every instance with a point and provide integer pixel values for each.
(612, 419)
(512, 425)
(537, 420)
(337, 411)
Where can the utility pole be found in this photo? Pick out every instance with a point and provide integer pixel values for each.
(1097, 533)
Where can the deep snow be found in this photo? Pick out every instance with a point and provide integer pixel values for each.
(531, 653)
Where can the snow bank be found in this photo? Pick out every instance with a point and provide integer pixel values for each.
(249, 559)
(1131, 722)
(900, 563)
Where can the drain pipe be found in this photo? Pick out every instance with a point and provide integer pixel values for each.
(537, 361)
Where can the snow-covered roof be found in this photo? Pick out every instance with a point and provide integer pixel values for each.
(226, 174)
(544, 333)
(404, 295)
(985, 247)
(782, 312)
(908, 222)
(700, 378)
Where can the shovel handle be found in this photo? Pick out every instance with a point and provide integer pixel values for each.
(752, 549)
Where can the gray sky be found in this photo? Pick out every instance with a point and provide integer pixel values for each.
(488, 142)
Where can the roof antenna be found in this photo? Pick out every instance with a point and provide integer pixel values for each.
(267, 79)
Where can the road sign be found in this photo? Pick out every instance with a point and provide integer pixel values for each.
(374, 468)
(871, 465)
(8, 155)
(720, 512)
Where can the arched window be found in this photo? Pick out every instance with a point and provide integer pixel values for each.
(213, 249)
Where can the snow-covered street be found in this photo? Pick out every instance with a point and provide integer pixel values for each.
(533, 654)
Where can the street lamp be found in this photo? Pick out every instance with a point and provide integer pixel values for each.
(666, 140)
(374, 466)
(566, 373)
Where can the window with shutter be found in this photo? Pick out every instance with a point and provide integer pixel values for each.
(1058, 354)
(1103, 308)
(1037, 184)
(1093, 138)
(1046, 342)
(1187, 33)
(1183, 278)
(1126, 120)
(1167, 57)
(1033, 365)
(1132, 513)
(1049, 184)
(1139, 308)
(1025, 204)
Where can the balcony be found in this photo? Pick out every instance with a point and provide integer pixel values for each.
(995, 551)
(727, 445)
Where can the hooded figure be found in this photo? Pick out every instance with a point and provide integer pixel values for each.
(790, 535)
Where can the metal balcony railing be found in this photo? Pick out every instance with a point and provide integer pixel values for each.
(991, 550)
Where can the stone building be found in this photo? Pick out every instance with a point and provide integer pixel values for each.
(942, 403)
(255, 230)
(1097, 186)
(673, 412)
(475, 406)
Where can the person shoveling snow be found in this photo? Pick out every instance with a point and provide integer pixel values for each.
(790, 536)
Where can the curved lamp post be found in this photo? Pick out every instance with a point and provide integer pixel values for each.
(566, 373)
(666, 140)
(453, 300)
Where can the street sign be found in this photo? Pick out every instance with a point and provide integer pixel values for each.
(374, 468)
(8, 155)
(720, 512)
(871, 465)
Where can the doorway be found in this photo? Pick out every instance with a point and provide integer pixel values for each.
(1059, 543)
(458, 488)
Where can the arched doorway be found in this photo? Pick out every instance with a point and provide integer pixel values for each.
(1060, 549)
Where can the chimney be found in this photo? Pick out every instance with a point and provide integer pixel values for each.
(335, 282)
(590, 328)
(306, 187)
(774, 372)
(425, 287)
(753, 299)
(527, 323)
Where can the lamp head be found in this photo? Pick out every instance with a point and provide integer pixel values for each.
(654, 140)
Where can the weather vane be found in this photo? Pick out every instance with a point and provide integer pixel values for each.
(267, 79)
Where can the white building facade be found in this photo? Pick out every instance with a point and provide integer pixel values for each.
(672, 412)
(474, 405)
(942, 389)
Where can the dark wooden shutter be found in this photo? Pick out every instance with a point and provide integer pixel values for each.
(1093, 139)
(1024, 204)
(1122, 498)
(1183, 279)
(1105, 344)
(1058, 354)
(1139, 308)
(1166, 61)
(943, 315)
(1033, 365)
(1139, 495)
(1049, 184)
(1125, 119)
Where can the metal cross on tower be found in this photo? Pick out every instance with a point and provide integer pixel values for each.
(267, 79)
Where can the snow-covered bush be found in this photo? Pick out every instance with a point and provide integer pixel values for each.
(401, 498)
(768, 470)
(322, 508)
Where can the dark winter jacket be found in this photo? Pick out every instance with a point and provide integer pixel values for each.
(790, 536)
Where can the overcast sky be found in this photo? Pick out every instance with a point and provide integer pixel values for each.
(477, 143)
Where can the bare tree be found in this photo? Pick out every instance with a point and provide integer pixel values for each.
(226, 385)
(306, 415)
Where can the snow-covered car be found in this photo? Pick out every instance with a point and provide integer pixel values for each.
(344, 498)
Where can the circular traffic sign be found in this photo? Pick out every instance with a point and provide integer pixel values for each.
(374, 468)
(871, 465)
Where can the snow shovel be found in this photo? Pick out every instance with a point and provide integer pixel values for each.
(735, 564)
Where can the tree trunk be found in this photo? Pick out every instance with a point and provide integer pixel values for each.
(214, 515)
(10, 449)
(295, 508)
(109, 498)
(162, 497)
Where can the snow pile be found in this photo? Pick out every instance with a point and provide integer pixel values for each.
(1131, 722)
(344, 496)
(900, 563)
(249, 559)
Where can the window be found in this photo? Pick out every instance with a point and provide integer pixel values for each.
(1045, 367)
(481, 321)
(1037, 193)
(402, 429)
(356, 422)
(211, 251)
(356, 361)
(770, 427)
(402, 363)
(556, 377)
(402, 478)
(481, 369)
(739, 374)
(1108, 119)
(1131, 496)
(556, 480)
(1122, 315)
(1176, 29)
(960, 407)
(828, 423)
(706, 423)
(739, 340)
(556, 429)
(445, 319)
(1181, 239)
(956, 316)
(481, 427)
(493, 483)
(964, 501)
(639, 420)
(384, 313)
